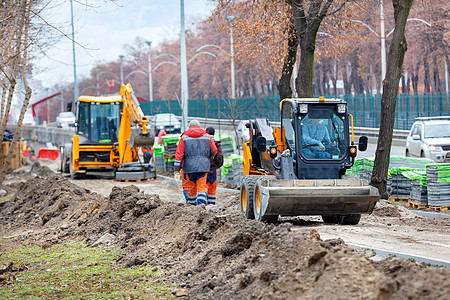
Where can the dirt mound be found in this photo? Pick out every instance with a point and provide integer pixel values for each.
(217, 255)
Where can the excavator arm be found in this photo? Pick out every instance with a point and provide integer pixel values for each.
(140, 136)
(132, 104)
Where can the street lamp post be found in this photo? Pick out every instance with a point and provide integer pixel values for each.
(150, 83)
(383, 42)
(121, 56)
(184, 81)
(75, 83)
(233, 88)
(383, 36)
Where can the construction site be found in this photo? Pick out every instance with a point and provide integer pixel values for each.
(301, 245)
(267, 150)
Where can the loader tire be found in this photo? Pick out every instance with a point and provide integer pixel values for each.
(247, 188)
(350, 219)
(257, 202)
(65, 163)
(73, 174)
(332, 219)
(342, 219)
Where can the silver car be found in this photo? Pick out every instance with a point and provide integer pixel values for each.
(430, 138)
(65, 119)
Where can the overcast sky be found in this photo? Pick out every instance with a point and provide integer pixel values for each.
(105, 29)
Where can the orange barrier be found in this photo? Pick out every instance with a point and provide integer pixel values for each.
(48, 153)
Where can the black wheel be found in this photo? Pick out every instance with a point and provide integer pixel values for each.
(258, 201)
(65, 163)
(247, 189)
(350, 219)
(73, 174)
(407, 153)
(342, 219)
(332, 219)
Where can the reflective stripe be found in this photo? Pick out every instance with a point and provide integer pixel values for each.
(201, 198)
(203, 137)
(211, 199)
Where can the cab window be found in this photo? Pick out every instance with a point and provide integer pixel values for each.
(287, 121)
(323, 135)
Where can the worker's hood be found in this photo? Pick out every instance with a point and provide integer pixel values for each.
(195, 131)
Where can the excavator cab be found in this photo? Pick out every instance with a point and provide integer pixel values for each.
(298, 168)
(98, 122)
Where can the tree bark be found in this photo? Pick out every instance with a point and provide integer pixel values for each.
(307, 24)
(415, 79)
(347, 85)
(436, 79)
(395, 58)
(426, 76)
(284, 84)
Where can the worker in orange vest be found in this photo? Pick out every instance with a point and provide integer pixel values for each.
(148, 153)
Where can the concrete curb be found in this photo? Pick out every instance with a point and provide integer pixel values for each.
(384, 253)
(219, 190)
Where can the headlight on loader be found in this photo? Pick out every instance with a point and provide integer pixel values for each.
(352, 151)
(303, 108)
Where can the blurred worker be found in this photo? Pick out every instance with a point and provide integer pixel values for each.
(194, 152)
(315, 140)
(211, 178)
(148, 153)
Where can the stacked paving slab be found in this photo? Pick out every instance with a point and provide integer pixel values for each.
(438, 181)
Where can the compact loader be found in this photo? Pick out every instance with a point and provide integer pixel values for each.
(109, 132)
(298, 168)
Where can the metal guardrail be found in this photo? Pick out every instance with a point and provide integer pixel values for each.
(43, 135)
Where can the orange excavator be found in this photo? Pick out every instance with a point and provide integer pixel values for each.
(109, 132)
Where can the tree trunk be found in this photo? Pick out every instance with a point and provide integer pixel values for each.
(415, 79)
(436, 79)
(403, 84)
(395, 59)
(334, 79)
(347, 85)
(304, 81)
(356, 80)
(284, 84)
(426, 70)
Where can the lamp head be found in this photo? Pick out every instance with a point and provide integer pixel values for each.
(231, 18)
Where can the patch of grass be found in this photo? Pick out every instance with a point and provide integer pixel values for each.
(74, 271)
(6, 198)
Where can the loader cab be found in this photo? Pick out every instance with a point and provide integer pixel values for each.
(316, 132)
(97, 120)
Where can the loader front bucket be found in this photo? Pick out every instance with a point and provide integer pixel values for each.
(313, 197)
(137, 139)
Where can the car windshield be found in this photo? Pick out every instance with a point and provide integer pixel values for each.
(166, 118)
(67, 115)
(437, 131)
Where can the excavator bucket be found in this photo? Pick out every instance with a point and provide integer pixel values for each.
(137, 139)
(313, 197)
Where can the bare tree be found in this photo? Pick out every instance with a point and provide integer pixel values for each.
(14, 65)
(232, 113)
(395, 58)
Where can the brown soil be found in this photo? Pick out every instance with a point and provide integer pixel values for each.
(214, 252)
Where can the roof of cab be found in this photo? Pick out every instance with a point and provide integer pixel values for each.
(107, 99)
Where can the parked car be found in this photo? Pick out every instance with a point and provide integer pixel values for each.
(28, 119)
(168, 122)
(430, 138)
(65, 119)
